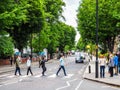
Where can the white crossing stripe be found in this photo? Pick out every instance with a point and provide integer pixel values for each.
(52, 76)
(38, 75)
(11, 76)
(20, 80)
(68, 76)
(4, 75)
(24, 76)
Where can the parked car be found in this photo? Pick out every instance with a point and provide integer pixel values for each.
(79, 58)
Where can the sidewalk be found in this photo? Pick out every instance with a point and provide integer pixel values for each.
(114, 81)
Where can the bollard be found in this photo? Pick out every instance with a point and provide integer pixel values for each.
(89, 69)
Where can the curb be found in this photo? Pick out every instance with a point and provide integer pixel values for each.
(99, 81)
(102, 82)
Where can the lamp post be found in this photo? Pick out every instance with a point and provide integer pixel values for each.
(96, 66)
(31, 46)
(89, 67)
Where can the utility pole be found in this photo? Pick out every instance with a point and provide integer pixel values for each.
(96, 66)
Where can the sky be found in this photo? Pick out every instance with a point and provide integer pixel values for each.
(70, 12)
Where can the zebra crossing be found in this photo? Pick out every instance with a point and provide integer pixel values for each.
(8, 79)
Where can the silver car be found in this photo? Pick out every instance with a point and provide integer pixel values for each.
(79, 58)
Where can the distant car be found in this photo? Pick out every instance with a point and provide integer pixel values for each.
(73, 52)
(79, 58)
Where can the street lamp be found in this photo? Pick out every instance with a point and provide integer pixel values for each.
(96, 66)
(31, 46)
(89, 67)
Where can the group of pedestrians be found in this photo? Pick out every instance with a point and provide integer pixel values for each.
(42, 61)
(112, 63)
(17, 64)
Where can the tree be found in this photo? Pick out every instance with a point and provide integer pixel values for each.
(6, 45)
(34, 22)
(107, 22)
(12, 13)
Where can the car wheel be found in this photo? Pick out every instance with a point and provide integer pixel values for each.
(75, 61)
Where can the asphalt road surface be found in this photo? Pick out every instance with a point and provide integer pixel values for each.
(73, 81)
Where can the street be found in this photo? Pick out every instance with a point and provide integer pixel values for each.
(73, 81)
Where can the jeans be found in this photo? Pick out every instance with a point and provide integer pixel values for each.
(17, 70)
(29, 70)
(119, 67)
(111, 71)
(44, 69)
(102, 71)
(60, 69)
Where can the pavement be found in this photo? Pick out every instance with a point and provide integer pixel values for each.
(114, 81)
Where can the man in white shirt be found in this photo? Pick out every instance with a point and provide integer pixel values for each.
(29, 66)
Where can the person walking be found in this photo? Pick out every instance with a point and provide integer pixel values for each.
(11, 60)
(29, 66)
(102, 62)
(42, 64)
(115, 58)
(111, 65)
(61, 66)
(17, 64)
(39, 58)
(119, 63)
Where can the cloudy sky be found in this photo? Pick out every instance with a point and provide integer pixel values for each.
(70, 12)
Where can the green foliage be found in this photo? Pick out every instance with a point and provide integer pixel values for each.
(67, 48)
(53, 10)
(81, 44)
(108, 21)
(12, 13)
(66, 36)
(6, 45)
(36, 22)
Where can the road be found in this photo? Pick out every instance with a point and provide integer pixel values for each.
(73, 80)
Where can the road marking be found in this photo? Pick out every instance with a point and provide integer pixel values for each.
(24, 76)
(20, 80)
(11, 83)
(4, 75)
(52, 76)
(68, 84)
(38, 76)
(68, 76)
(105, 86)
(1, 85)
(11, 76)
(79, 85)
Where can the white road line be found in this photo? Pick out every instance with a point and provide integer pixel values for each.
(24, 76)
(68, 76)
(11, 76)
(52, 76)
(116, 88)
(11, 83)
(4, 75)
(105, 86)
(1, 85)
(68, 84)
(38, 76)
(78, 86)
(20, 80)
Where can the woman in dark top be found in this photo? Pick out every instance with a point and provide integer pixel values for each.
(42, 64)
